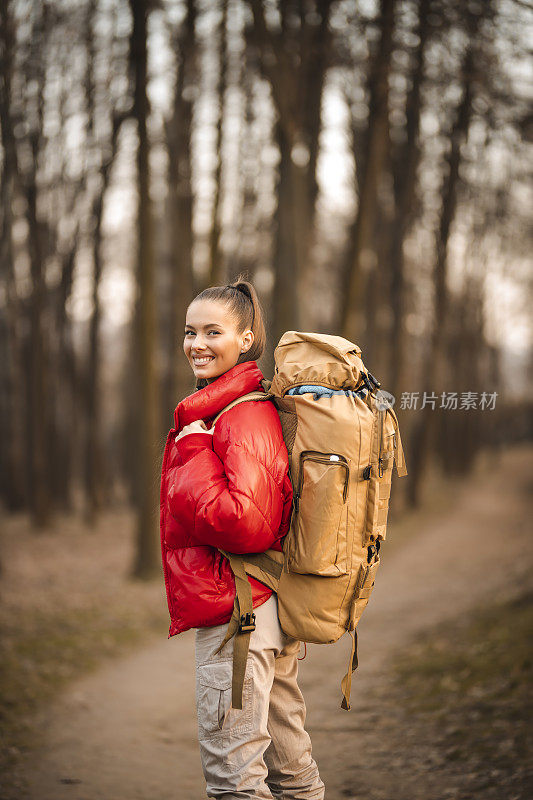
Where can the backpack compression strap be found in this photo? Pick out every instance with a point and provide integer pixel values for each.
(346, 683)
(399, 456)
(242, 621)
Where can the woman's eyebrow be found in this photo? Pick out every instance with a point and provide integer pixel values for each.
(207, 325)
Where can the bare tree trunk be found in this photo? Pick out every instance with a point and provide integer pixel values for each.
(315, 58)
(246, 254)
(38, 409)
(376, 288)
(147, 542)
(180, 206)
(67, 386)
(460, 432)
(361, 250)
(405, 184)
(93, 461)
(95, 477)
(294, 61)
(13, 379)
(285, 311)
(215, 256)
(423, 428)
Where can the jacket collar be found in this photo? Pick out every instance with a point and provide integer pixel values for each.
(207, 402)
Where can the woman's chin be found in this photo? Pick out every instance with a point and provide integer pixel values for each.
(208, 373)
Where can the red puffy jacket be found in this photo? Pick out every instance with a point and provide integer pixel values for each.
(230, 490)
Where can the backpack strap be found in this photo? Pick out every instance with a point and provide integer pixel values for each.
(399, 456)
(346, 683)
(242, 620)
(267, 568)
(243, 399)
(242, 623)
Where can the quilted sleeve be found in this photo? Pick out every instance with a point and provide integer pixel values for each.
(188, 446)
(234, 499)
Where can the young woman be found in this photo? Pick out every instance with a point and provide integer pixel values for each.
(228, 487)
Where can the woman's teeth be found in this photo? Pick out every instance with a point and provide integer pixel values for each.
(205, 360)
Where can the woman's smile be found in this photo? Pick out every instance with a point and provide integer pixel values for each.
(199, 361)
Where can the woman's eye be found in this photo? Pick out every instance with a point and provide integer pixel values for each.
(214, 332)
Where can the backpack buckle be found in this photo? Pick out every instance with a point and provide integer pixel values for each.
(374, 380)
(247, 622)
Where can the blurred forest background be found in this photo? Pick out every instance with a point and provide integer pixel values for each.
(368, 164)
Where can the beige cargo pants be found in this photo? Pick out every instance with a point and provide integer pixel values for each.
(263, 750)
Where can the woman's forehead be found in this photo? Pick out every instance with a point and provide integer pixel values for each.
(202, 313)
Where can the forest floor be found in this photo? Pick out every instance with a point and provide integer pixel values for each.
(99, 704)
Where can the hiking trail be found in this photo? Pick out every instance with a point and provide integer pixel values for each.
(128, 731)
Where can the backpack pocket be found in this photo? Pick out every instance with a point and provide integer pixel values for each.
(317, 540)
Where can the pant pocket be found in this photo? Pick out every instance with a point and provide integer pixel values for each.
(216, 717)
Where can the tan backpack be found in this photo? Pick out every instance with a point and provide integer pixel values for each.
(341, 453)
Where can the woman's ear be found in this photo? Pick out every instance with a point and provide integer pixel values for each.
(247, 341)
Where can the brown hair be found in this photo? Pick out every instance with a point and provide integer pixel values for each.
(245, 308)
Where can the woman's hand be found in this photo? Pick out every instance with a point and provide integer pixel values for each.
(198, 426)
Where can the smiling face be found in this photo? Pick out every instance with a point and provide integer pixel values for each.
(212, 342)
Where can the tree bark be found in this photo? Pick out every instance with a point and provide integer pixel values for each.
(405, 185)
(13, 379)
(147, 540)
(215, 256)
(68, 386)
(95, 477)
(361, 249)
(423, 430)
(285, 311)
(38, 407)
(178, 381)
(294, 61)
(93, 461)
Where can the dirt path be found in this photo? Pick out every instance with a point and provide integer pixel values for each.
(128, 731)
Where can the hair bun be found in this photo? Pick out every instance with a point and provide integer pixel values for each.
(242, 287)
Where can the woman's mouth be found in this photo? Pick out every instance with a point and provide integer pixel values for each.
(200, 361)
